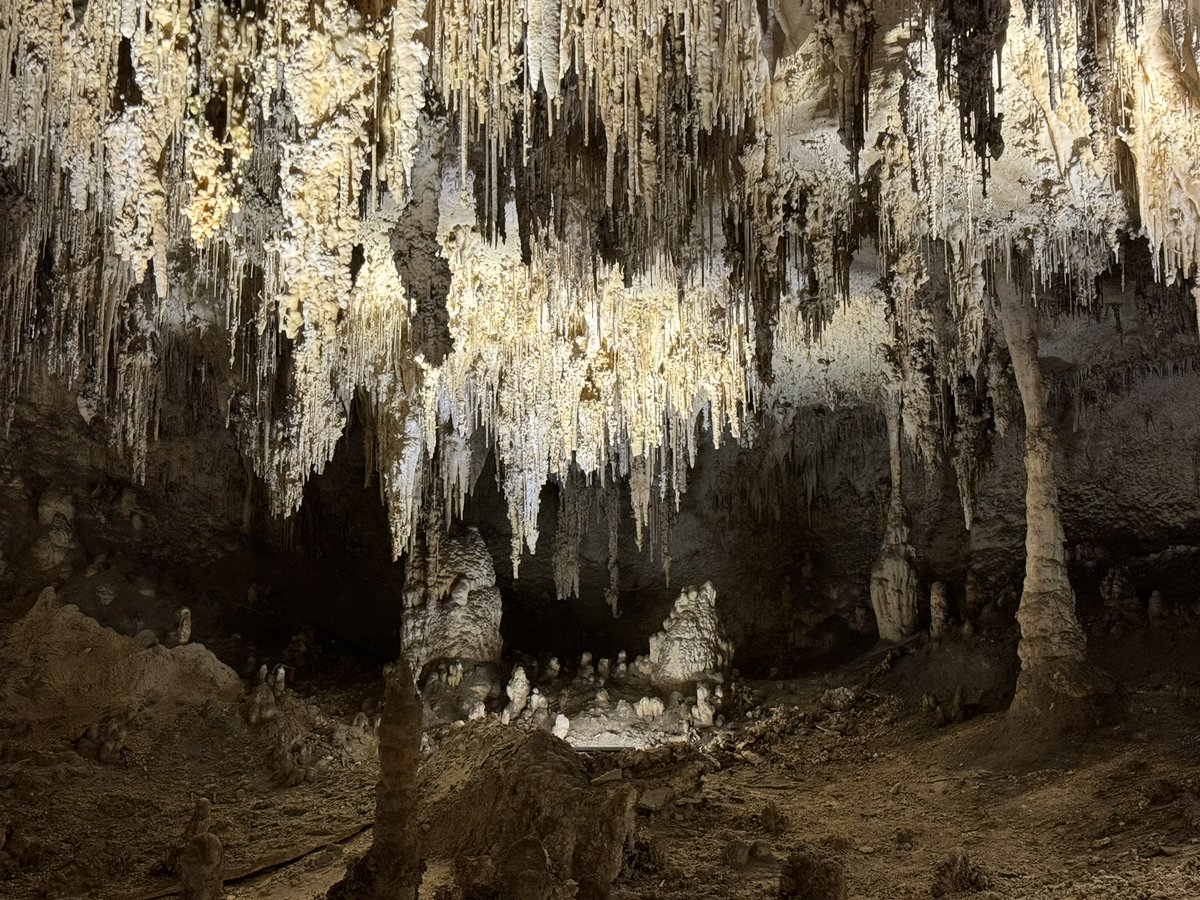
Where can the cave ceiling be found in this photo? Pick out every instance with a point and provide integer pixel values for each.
(584, 236)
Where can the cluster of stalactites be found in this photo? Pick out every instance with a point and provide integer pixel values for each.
(567, 371)
(583, 502)
(942, 232)
(175, 149)
(492, 60)
(185, 165)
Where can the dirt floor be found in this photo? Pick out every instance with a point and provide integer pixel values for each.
(853, 765)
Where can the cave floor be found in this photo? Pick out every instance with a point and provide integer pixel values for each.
(1119, 819)
(876, 784)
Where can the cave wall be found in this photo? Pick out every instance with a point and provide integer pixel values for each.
(786, 529)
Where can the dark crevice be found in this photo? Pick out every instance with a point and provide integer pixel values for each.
(126, 93)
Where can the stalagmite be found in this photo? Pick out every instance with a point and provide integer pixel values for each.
(391, 869)
(612, 517)
(201, 865)
(895, 586)
(939, 612)
(451, 602)
(692, 642)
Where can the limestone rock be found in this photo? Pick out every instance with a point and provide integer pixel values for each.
(956, 873)
(202, 868)
(489, 786)
(86, 668)
(692, 642)
(807, 875)
(451, 604)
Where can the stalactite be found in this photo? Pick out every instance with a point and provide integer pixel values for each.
(574, 509)
(661, 242)
(967, 38)
(612, 516)
(847, 32)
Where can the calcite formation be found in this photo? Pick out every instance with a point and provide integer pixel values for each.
(580, 236)
(451, 603)
(692, 643)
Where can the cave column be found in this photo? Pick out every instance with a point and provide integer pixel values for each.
(1051, 637)
(895, 587)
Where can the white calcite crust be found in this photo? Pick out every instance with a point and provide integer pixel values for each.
(692, 643)
(452, 606)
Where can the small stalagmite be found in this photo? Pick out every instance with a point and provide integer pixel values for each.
(201, 866)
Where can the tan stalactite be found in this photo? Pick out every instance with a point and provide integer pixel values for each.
(190, 167)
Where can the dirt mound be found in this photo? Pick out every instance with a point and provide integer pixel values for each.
(488, 787)
(982, 671)
(61, 668)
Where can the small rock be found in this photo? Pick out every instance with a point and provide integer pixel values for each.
(1189, 810)
(55, 502)
(737, 853)
(957, 873)
(146, 638)
(654, 799)
(809, 876)
(774, 820)
(838, 699)
(760, 850)
(1156, 609)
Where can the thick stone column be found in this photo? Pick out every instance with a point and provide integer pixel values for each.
(1054, 680)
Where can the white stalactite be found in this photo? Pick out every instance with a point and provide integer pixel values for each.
(259, 167)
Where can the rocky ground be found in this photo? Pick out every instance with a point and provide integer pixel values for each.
(893, 768)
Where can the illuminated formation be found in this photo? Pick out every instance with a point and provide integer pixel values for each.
(583, 236)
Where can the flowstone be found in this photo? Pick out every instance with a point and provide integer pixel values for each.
(489, 791)
(451, 604)
(692, 642)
